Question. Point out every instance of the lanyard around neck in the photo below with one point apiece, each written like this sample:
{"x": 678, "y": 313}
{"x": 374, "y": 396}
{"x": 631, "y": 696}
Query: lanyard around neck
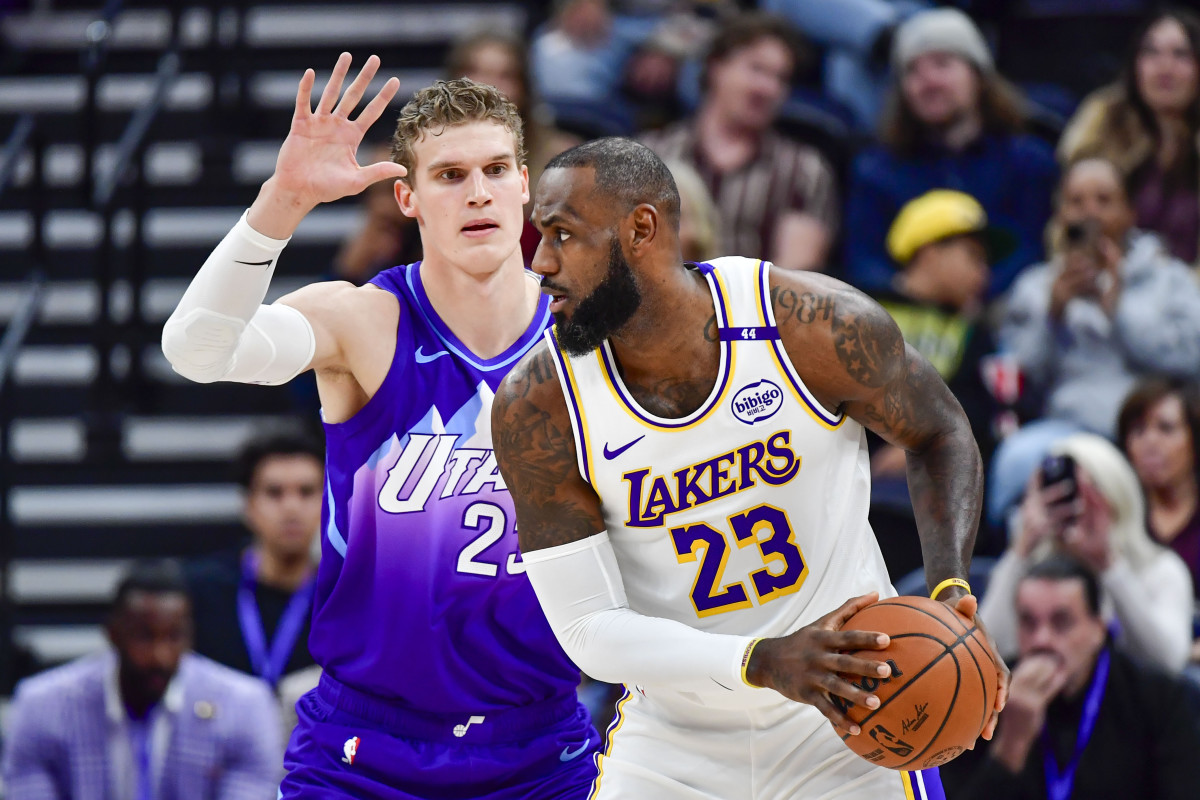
{"x": 1060, "y": 783}
{"x": 269, "y": 664}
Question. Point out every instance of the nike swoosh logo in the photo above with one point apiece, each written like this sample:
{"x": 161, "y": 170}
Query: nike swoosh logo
{"x": 422, "y": 358}
{"x": 253, "y": 263}
{"x": 569, "y": 755}
{"x": 611, "y": 454}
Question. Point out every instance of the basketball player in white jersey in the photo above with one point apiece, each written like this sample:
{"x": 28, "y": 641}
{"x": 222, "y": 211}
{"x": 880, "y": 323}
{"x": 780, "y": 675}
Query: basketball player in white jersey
{"x": 687, "y": 458}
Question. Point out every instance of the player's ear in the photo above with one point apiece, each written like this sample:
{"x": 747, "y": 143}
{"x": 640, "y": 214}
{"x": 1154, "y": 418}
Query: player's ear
{"x": 526, "y": 189}
{"x": 643, "y": 227}
{"x": 406, "y": 198}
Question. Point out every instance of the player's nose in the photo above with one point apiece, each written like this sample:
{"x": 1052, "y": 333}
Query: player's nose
{"x": 543, "y": 262}
{"x": 477, "y": 188}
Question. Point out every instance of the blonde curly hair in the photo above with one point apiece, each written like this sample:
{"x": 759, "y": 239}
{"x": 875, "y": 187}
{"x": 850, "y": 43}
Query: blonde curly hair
{"x": 445, "y": 104}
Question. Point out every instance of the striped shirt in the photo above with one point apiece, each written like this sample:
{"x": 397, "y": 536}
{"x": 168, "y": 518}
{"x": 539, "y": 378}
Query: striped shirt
{"x": 785, "y": 175}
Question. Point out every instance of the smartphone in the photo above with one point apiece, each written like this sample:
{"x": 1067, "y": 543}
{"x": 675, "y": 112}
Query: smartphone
{"x": 1083, "y": 234}
{"x": 1058, "y": 470}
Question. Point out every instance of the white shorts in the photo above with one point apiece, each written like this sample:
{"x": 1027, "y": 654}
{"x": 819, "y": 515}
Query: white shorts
{"x": 664, "y": 746}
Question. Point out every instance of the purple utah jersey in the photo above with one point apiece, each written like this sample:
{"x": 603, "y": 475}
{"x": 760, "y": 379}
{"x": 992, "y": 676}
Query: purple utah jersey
{"x": 421, "y": 596}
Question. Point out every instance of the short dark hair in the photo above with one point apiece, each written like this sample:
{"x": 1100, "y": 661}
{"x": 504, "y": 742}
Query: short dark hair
{"x": 1062, "y": 567}
{"x": 1149, "y": 392}
{"x": 627, "y": 172}
{"x": 153, "y": 576}
{"x": 277, "y": 443}
{"x": 744, "y": 29}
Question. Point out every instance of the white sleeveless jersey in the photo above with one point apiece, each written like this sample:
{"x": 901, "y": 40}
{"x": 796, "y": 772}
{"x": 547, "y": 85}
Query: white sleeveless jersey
{"x": 748, "y": 516}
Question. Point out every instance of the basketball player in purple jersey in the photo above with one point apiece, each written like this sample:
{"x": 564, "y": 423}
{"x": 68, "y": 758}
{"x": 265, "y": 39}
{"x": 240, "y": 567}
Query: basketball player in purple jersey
{"x": 441, "y": 676}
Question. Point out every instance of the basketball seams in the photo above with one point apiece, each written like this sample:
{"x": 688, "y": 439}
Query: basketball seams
{"x": 914, "y": 679}
{"x": 964, "y": 634}
{"x": 945, "y": 717}
{"x": 898, "y": 601}
{"x": 932, "y": 663}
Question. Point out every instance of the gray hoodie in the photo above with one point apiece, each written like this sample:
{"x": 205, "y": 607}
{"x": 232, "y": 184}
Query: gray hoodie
{"x": 1085, "y": 365}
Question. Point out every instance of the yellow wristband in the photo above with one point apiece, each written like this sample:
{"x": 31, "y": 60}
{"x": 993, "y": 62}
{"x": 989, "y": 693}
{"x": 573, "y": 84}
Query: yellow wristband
{"x": 949, "y": 582}
{"x": 746, "y": 662}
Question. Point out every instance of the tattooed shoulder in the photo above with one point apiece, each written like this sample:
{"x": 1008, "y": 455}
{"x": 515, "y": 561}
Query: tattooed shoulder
{"x": 535, "y": 450}
{"x": 867, "y": 340}
{"x": 803, "y": 306}
{"x": 864, "y": 338}
{"x": 536, "y": 369}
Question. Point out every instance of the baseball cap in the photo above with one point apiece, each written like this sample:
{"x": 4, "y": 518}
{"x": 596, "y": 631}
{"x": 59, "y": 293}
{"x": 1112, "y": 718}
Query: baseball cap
{"x": 941, "y": 30}
{"x": 940, "y": 214}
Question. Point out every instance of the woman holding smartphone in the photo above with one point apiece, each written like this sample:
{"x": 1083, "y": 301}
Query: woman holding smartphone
{"x": 1109, "y": 307}
{"x": 1085, "y": 501}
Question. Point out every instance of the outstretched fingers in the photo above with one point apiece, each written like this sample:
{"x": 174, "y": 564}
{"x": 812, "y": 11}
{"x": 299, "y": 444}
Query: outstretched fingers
{"x": 358, "y": 88}
{"x": 304, "y": 95}
{"x": 378, "y": 103}
{"x": 333, "y": 88}
{"x": 380, "y": 171}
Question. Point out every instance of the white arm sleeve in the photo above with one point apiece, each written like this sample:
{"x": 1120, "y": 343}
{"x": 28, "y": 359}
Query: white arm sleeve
{"x": 580, "y": 590}
{"x": 221, "y": 331}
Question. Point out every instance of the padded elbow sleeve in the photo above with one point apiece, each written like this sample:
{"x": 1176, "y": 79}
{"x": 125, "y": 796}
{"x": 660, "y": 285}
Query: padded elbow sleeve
{"x": 277, "y": 345}
{"x": 221, "y": 330}
{"x": 204, "y": 346}
{"x": 201, "y": 343}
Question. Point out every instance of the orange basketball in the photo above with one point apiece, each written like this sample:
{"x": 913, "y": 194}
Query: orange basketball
{"x": 941, "y": 690}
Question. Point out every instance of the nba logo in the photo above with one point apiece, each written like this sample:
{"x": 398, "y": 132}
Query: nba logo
{"x": 350, "y": 748}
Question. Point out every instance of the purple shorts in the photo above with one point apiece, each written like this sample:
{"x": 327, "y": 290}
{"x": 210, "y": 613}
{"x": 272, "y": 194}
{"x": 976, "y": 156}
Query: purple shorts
{"x": 348, "y": 744}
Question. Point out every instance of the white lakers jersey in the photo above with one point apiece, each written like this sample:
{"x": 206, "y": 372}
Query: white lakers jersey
{"x": 748, "y": 516}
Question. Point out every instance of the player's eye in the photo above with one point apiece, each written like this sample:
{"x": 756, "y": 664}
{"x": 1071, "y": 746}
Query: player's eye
{"x": 450, "y": 174}
{"x": 497, "y": 169}
{"x": 562, "y": 236}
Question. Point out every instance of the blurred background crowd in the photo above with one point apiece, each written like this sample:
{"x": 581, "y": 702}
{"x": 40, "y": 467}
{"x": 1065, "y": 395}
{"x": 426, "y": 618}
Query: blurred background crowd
{"x": 1017, "y": 182}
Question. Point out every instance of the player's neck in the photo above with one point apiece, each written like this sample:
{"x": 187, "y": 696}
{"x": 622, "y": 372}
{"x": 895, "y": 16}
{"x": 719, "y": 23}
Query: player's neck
{"x": 645, "y": 346}
{"x": 282, "y": 571}
{"x": 488, "y": 311}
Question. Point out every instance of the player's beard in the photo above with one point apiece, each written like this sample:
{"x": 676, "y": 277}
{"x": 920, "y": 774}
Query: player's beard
{"x": 604, "y": 311}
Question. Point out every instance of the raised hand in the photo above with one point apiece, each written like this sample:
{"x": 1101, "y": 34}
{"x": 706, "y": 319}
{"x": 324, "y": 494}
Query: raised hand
{"x": 1088, "y": 536}
{"x": 1077, "y": 278}
{"x": 1043, "y": 513}
{"x": 804, "y": 665}
{"x": 317, "y": 162}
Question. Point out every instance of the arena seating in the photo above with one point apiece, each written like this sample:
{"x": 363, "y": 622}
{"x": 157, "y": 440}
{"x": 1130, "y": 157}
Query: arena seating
{"x": 102, "y": 474}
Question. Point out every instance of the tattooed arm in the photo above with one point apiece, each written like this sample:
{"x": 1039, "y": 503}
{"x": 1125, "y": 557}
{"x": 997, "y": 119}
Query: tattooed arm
{"x": 573, "y": 569}
{"x": 855, "y": 361}
{"x": 531, "y": 434}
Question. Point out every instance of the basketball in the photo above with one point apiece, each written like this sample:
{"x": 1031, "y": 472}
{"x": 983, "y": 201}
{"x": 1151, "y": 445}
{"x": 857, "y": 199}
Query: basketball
{"x": 940, "y": 693}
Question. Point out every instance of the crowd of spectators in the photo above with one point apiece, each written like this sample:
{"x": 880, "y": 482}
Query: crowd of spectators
{"x": 1042, "y": 257}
